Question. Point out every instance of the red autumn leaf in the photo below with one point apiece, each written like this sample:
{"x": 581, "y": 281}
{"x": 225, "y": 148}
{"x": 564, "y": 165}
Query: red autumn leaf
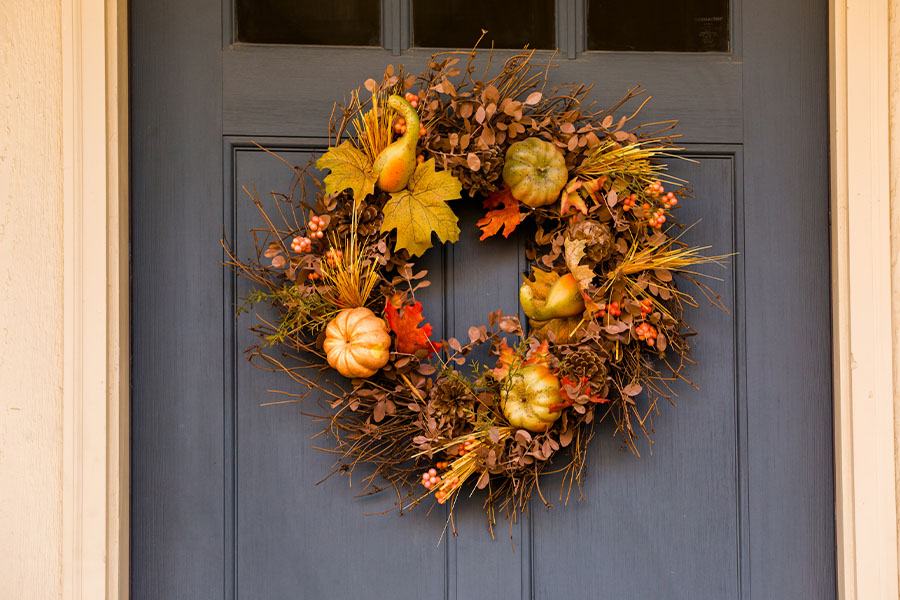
{"x": 568, "y": 400}
{"x": 410, "y": 337}
{"x": 506, "y": 217}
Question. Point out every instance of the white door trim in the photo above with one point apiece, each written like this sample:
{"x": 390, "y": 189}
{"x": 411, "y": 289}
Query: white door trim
{"x": 865, "y": 476}
{"x": 95, "y": 304}
{"x": 96, "y": 422}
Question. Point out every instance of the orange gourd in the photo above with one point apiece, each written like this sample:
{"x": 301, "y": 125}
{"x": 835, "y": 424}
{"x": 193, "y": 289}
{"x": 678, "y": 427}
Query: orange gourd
{"x": 357, "y": 343}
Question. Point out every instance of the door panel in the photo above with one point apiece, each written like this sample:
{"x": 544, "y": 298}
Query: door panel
{"x": 673, "y": 494}
{"x": 735, "y": 500}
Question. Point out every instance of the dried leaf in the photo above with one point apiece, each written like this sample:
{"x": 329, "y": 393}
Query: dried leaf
{"x": 507, "y": 217}
{"x": 533, "y": 98}
{"x": 632, "y": 389}
{"x": 473, "y": 161}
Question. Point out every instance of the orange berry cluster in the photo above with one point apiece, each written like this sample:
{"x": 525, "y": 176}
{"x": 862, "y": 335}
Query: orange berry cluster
{"x": 646, "y": 333}
{"x": 612, "y": 308}
{"x": 334, "y": 256}
{"x": 646, "y": 306}
{"x": 629, "y": 202}
{"x": 313, "y": 276}
{"x": 315, "y": 227}
{"x": 430, "y": 478}
{"x": 467, "y": 446}
{"x": 412, "y": 99}
{"x": 301, "y": 244}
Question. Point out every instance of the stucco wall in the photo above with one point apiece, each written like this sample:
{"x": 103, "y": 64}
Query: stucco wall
{"x": 31, "y": 293}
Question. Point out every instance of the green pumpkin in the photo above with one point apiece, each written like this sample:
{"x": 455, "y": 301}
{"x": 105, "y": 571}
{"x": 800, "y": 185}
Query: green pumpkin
{"x": 535, "y": 172}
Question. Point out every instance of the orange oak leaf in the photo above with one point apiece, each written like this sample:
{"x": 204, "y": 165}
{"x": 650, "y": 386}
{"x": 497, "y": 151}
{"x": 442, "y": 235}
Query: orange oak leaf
{"x": 505, "y": 362}
{"x": 410, "y": 337}
{"x": 569, "y": 400}
{"x": 507, "y": 217}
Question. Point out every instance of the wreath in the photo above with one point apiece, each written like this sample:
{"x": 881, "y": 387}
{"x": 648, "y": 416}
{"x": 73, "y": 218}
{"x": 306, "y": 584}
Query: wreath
{"x": 605, "y": 335}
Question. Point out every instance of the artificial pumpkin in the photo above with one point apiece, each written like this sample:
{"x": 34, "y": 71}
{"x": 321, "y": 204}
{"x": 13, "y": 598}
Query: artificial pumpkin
{"x": 357, "y": 342}
{"x": 395, "y": 164}
{"x": 535, "y": 172}
{"x": 528, "y": 395}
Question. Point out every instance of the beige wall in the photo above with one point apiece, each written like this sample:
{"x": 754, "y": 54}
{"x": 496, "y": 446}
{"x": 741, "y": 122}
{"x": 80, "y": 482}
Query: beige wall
{"x": 31, "y": 293}
{"x": 894, "y": 87}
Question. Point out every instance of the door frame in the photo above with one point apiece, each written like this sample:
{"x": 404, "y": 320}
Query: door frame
{"x": 96, "y": 424}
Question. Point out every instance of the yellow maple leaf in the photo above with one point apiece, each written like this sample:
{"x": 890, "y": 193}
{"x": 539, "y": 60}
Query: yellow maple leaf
{"x": 421, "y": 210}
{"x": 350, "y": 168}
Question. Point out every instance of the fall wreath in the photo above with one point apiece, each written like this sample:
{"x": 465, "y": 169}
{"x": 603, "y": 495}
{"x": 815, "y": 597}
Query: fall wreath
{"x": 604, "y": 316}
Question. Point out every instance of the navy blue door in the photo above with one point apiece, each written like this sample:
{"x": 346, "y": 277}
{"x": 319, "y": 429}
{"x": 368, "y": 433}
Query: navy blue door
{"x": 736, "y": 500}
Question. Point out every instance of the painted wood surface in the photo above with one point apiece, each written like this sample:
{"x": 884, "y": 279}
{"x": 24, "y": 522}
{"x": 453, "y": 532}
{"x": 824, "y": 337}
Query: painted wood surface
{"x": 736, "y": 499}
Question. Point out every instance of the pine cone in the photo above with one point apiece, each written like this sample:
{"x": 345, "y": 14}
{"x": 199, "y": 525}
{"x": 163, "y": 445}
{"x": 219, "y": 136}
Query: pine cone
{"x": 584, "y": 363}
{"x": 598, "y": 239}
{"x": 451, "y": 396}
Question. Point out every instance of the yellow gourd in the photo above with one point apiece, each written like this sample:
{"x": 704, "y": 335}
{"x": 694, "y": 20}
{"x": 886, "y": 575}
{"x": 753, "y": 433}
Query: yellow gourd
{"x": 396, "y": 163}
{"x": 563, "y": 299}
{"x": 357, "y": 343}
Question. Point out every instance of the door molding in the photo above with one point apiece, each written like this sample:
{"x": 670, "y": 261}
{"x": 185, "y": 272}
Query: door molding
{"x": 865, "y": 476}
{"x": 96, "y": 419}
{"x": 95, "y": 499}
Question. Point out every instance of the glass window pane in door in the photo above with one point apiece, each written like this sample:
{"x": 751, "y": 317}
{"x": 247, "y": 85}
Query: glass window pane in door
{"x": 510, "y": 24}
{"x": 327, "y": 23}
{"x": 658, "y": 25}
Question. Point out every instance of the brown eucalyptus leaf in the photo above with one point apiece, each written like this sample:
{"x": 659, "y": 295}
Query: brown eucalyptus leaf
{"x": 512, "y": 108}
{"x": 474, "y": 334}
{"x": 607, "y": 122}
{"x": 490, "y": 94}
{"x": 490, "y": 109}
{"x": 378, "y": 411}
{"x": 426, "y": 369}
{"x": 612, "y": 198}
{"x": 621, "y": 135}
{"x": 466, "y": 109}
{"x": 483, "y": 480}
{"x": 661, "y": 342}
{"x": 663, "y": 275}
{"x": 480, "y": 114}
{"x": 494, "y": 435}
{"x": 523, "y": 437}
{"x": 533, "y": 98}
{"x": 565, "y": 438}
{"x": 473, "y": 161}
{"x": 632, "y": 389}
{"x": 370, "y": 85}
{"x": 487, "y": 136}
{"x": 573, "y": 143}
{"x": 567, "y": 128}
